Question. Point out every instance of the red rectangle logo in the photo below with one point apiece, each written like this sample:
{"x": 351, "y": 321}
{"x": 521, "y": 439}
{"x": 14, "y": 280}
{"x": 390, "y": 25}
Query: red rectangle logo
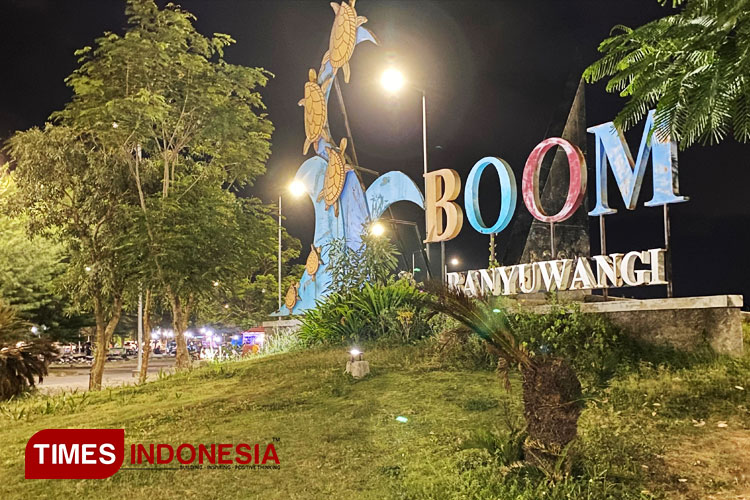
{"x": 74, "y": 453}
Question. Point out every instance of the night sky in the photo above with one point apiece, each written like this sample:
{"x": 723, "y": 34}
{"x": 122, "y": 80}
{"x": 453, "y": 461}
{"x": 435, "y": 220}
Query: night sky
{"x": 494, "y": 73}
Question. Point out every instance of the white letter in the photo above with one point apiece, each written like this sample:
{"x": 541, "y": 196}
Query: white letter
{"x": 608, "y": 268}
{"x": 41, "y": 448}
{"x": 583, "y": 275}
{"x": 658, "y": 273}
{"x": 87, "y": 451}
{"x": 68, "y": 458}
{"x": 551, "y": 270}
{"x": 103, "y": 451}
{"x": 528, "y": 276}
{"x": 627, "y": 269}
{"x": 510, "y": 281}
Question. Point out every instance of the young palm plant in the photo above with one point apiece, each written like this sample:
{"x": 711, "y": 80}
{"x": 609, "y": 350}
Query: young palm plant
{"x": 21, "y": 361}
{"x": 551, "y": 389}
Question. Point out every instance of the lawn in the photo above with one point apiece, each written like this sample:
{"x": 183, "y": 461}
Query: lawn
{"x": 657, "y": 432}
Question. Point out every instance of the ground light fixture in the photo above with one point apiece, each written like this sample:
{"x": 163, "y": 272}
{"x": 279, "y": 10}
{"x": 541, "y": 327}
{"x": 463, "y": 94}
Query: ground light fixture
{"x": 392, "y": 80}
{"x": 357, "y": 367}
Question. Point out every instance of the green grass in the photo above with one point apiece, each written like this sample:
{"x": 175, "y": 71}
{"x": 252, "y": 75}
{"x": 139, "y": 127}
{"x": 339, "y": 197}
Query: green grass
{"x": 339, "y": 438}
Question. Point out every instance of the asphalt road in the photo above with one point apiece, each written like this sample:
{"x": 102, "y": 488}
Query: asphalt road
{"x": 116, "y": 373}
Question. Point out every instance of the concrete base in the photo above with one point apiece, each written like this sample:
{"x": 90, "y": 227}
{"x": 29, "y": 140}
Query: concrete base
{"x": 683, "y": 323}
{"x": 357, "y": 369}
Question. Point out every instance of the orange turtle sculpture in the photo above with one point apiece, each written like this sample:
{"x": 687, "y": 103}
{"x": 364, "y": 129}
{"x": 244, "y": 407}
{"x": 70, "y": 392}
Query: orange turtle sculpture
{"x": 292, "y": 296}
{"x": 313, "y": 261}
{"x": 343, "y": 36}
{"x": 316, "y": 112}
{"x": 333, "y": 185}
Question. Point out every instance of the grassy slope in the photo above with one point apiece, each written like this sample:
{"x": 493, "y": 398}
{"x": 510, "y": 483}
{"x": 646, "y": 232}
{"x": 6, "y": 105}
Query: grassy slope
{"x": 340, "y": 439}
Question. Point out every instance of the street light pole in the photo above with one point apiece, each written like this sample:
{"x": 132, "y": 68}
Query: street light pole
{"x": 279, "y": 252}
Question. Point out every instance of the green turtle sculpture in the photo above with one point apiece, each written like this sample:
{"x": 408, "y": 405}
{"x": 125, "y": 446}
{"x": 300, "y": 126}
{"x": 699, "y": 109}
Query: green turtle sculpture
{"x": 316, "y": 112}
{"x": 313, "y": 261}
{"x": 333, "y": 185}
{"x": 343, "y": 36}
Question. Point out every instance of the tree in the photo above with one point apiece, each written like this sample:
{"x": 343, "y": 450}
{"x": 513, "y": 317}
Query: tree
{"x": 191, "y": 131}
{"x": 692, "y": 66}
{"x": 30, "y": 268}
{"x": 71, "y": 191}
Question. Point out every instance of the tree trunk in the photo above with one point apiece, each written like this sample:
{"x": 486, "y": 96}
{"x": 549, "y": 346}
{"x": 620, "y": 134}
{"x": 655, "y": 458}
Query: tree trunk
{"x": 104, "y": 331}
{"x": 146, "y": 347}
{"x": 552, "y": 404}
{"x": 180, "y": 318}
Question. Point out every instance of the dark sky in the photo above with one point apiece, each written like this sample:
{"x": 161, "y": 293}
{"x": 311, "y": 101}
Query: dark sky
{"x": 494, "y": 73}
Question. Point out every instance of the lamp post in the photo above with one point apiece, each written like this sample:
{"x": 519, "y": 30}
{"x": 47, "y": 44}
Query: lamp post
{"x": 296, "y": 188}
{"x": 393, "y": 80}
{"x": 454, "y": 262}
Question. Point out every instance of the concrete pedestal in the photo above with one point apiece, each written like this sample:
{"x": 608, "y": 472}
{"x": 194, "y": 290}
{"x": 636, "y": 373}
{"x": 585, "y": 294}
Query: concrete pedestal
{"x": 683, "y": 323}
{"x": 357, "y": 369}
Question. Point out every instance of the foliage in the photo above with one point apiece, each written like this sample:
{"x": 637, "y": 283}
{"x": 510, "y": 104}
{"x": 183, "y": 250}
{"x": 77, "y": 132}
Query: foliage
{"x": 373, "y": 262}
{"x": 626, "y": 452}
{"x": 593, "y": 346}
{"x": 374, "y": 312}
{"x": 21, "y": 360}
{"x": 30, "y": 268}
{"x": 691, "y": 65}
{"x": 186, "y": 132}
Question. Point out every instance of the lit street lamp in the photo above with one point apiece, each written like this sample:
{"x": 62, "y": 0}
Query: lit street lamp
{"x": 296, "y": 188}
{"x": 392, "y": 81}
{"x": 377, "y": 229}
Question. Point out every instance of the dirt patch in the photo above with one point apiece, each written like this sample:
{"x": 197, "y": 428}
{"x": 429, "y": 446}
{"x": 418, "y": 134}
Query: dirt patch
{"x": 713, "y": 466}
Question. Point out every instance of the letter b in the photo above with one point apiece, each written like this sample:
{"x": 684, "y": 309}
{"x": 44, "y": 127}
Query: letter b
{"x": 441, "y": 188}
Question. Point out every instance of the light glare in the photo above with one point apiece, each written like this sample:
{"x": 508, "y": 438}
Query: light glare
{"x": 392, "y": 80}
{"x": 297, "y": 188}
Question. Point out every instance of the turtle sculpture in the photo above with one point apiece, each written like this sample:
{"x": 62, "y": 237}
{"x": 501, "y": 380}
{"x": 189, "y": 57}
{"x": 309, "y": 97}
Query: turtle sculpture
{"x": 333, "y": 185}
{"x": 316, "y": 114}
{"x": 343, "y": 36}
{"x": 313, "y": 261}
{"x": 292, "y": 296}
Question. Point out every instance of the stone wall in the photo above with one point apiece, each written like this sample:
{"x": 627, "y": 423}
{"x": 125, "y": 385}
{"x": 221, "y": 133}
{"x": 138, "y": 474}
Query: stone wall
{"x": 684, "y": 323}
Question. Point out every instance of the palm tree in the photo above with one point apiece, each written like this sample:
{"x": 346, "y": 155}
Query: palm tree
{"x": 551, "y": 389}
{"x": 693, "y": 66}
{"x": 21, "y": 361}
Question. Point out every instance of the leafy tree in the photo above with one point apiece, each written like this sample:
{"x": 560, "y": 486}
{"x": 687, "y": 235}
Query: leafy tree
{"x": 692, "y": 66}
{"x": 71, "y": 191}
{"x": 190, "y": 129}
{"x": 29, "y": 270}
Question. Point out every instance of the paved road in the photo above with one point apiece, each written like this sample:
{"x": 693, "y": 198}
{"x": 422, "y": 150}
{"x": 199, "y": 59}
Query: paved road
{"x": 116, "y": 373}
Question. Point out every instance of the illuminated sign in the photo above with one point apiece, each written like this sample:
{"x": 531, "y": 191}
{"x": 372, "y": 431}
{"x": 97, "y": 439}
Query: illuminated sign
{"x": 583, "y": 273}
{"x": 442, "y": 187}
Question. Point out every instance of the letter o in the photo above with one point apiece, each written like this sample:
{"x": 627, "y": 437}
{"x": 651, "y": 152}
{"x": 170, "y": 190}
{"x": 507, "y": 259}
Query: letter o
{"x": 189, "y": 447}
{"x": 576, "y": 189}
{"x": 508, "y": 195}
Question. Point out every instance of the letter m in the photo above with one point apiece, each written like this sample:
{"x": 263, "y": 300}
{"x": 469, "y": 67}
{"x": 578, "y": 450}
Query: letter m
{"x": 612, "y": 149}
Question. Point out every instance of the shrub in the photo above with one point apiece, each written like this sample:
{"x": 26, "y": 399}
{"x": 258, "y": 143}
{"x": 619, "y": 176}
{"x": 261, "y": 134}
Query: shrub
{"x": 374, "y": 312}
{"x": 21, "y": 360}
{"x": 593, "y": 346}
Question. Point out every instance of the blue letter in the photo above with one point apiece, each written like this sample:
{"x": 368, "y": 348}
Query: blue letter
{"x": 507, "y": 195}
{"x": 611, "y": 145}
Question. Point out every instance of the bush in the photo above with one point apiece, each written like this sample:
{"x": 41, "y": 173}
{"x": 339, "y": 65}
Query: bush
{"x": 22, "y": 360}
{"x": 593, "y": 346}
{"x": 375, "y": 312}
